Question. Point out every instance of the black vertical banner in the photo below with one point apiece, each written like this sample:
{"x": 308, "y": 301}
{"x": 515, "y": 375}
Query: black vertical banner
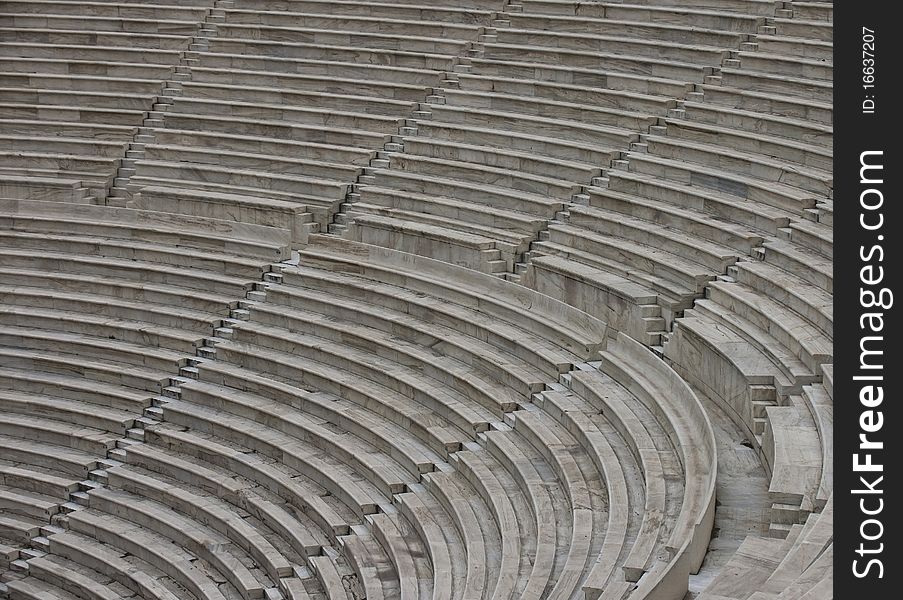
{"x": 868, "y": 429}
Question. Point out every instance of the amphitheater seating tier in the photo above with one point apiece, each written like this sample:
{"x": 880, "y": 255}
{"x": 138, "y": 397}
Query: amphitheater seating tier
{"x": 306, "y": 299}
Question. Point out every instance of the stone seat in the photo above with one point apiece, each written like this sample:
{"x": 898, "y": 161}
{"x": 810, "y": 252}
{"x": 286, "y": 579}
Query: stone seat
{"x": 81, "y": 22}
{"x": 344, "y": 483}
{"x": 131, "y": 572}
{"x": 790, "y": 329}
{"x": 448, "y": 404}
{"x": 812, "y": 235}
{"x": 720, "y": 157}
{"x": 206, "y": 235}
{"x": 192, "y": 478}
{"x": 82, "y": 83}
{"x": 69, "y": 146}
{"x": 818, "y": 399}
{"x": 66, "y": 100}
{"x": 583, "y": 62}
{"x": 494, "y": 247}
{"x": 801, "y": 28}
{"x": 40, "y": 445}
{"x": 804, "y": 551}
{"x": 309, "y": 98}
{"x": 751, "y": 564}
{"x": 792, "y": 454}
{"x": 323, "y": 68}
{"x": 473, "y": 12}
{"x": 91, "y": 54}
{"x": 481, "y": 472}
{"x": 19, "y": 529}
{"x": 672, "y": 402}
{"x": 481, "y": 387}
{"x": 356, "y": 23}
{"x": 609, "y": 40}
{"x": 392, "y": 440}
{"x": 807, "y": 48}
{"x": 504, "y": 150}
{"x": 51, "y": 575}
{"x": 16, "y": 187}
{"x": 646, "y": 266}
{"x": 787, "y": 65}
{"x": 130, "y": 270}
{"x": 210, "y": 176}
{"x": 494, "y": 196}
{"x": 160, "y": 154}
{"x": 550, "y": 337}
{"x": 294, "y": 114}
{"x": 359, "y": 454}
{"x": 46, "y": 435}
{"x": 262, "y": 145}
{"x": 637, "y": 436}
{"x": 292, "y": 218}
{"x": 401, "y": 59}
{"x": 85, "y": 38}
{"x": 43, "y": 128}
{"x": 205, "y": 510}
{"x": 126, "y": 537}
{"x": 577, "y": 472}
{"x": 75, "y": 412}
{"x": 574, "y": 277}
{"x": 812, "y": 156}
{"x": 90, "y": 347}
{"x": 560, "y": 189}
{"x": 579, "y": 32}
{"x": 386, "y": 530}
{"x": 714, "y": 256}
{"x": 40, "y": 480}
{"x": 809, "y": 109}
{"x": 143, "y": 331}
{"x": 76, "y": 390}
{"x": 310, "y": 82}
{"x": 720, "y": 205}
{"x": 765, "y": 125}
{"x": 16, "y": 501}
{"x": 621, "y": 92}
{"x": 753, "y": 350}
{"x": 714, "y": 16}
{"x": 93, "y": 183}
{"x": 597, "y": 437}
{"x": 403, "y": 41}
{"x": 507, "y": 225}
{"x": 636, "y": 118}
{"x": 800, "y": 296}
{"x": 525, "y": 466}
{"x": 468, "y": 513}
{"x": 778, "y": 83}
{"x": 51, "y": 285}
{"x": 97, "y": 68}
{"x": 277, "y": 129}
{"x": 382, "y": 323}
{"x": 624, "y": 80}
{"x": 133, "y": 250}
{"x": 124, "y": 10}
{"x": 32, "y": 112}
{"x": 742, "y": 187}
{"x": 531, "y": 126}
{"x": 802, "y": 262}
{"x": 676, "y": 219}
{"x": 306, "y": 499}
